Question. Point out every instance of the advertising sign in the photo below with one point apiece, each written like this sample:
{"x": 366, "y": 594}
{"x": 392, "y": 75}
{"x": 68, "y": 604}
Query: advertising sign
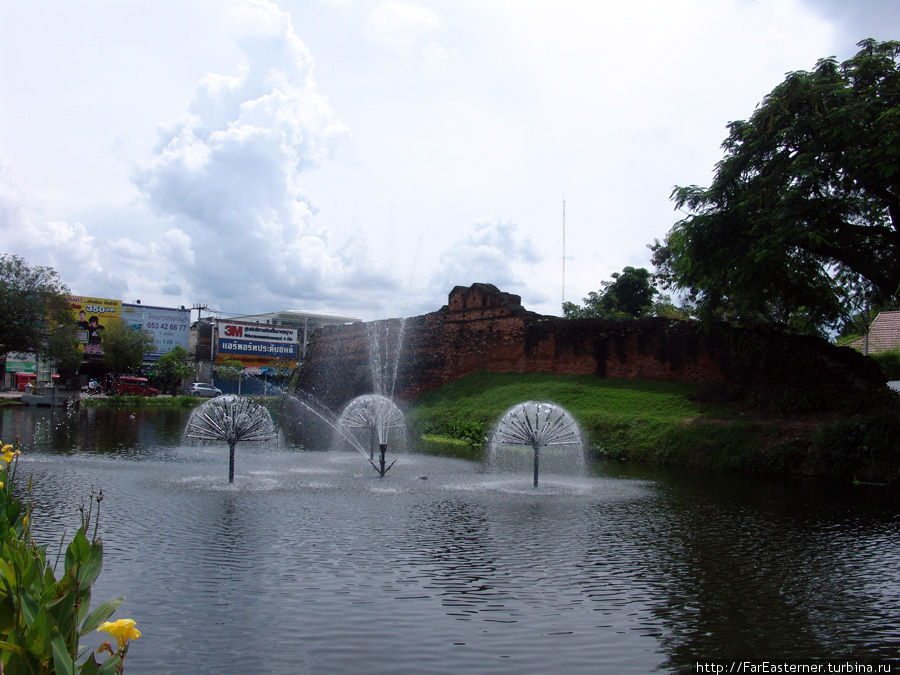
{"x": 169, "y": 327}
{"x": 21, "y": 362}
{"x": 256, "y": 344}
{"x": 93, "y": 315}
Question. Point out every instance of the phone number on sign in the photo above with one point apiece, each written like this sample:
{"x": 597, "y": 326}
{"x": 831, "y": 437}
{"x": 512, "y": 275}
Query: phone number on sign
{"x": 156, "y": 325}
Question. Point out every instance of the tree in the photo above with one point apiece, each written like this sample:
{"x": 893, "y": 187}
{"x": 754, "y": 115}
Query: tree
{"x": 281, "y": 369}
{"x": 801, "y": 224}
{"x": 35, "y": 309}
{"x": 124, "y": 346}
{"x": 231, "y": 370}
{"x": 63, "y": 347}
{"x": 174, "y": 366}
{"x": 628, "y": 296}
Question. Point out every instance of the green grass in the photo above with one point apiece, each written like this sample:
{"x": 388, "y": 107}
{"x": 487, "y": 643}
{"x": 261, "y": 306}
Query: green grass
{"x": 468, "y": 408}
{"x": 168, "y": 402}
{"x": 645, "y": 421}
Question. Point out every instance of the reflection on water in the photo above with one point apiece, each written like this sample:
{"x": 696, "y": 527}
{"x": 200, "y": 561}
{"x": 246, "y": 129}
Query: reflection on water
{"x": 311, "y": 563}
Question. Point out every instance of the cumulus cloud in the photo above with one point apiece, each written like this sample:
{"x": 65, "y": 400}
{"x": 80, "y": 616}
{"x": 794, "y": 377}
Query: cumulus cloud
{"x": 66, "y": 247}
{"x": 495, "y": 252}
{"x": 410, "y": 29}
{"x": 228, "y": 175}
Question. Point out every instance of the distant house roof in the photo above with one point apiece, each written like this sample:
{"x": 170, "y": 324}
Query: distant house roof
{"x": 297, "y": 318}
{"x": 884, "y": 334}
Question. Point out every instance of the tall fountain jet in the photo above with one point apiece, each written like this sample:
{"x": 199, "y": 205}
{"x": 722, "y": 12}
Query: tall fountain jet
{"x": 373, "y": 420}
{"x": 231, "y": 419}
{"x": 540, "y": 425}
{"x": 371, "y": 424}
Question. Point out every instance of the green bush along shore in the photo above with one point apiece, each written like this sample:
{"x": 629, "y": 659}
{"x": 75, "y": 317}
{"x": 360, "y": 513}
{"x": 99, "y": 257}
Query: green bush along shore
{"x": 668, "y": 423}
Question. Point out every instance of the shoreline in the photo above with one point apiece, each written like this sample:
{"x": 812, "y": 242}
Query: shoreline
{"x": 644, "y": 422}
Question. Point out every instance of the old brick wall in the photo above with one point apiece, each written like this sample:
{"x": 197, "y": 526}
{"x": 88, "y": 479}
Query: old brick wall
{"x": 482, "y": 328}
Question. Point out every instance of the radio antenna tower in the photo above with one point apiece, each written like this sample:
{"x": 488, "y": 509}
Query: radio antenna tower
{"x": 564, "y": 250}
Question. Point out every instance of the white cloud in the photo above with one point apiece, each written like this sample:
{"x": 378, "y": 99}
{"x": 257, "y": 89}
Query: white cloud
{"x": 257, "y": 197}
{"x": 493, "y": 252}
{"x": 409, "y": 29}
{"x": 228, "y": 175}
{"x": 401, "y": 25}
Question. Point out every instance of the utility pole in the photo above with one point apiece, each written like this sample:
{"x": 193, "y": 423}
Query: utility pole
{"x": 199, "y": 309}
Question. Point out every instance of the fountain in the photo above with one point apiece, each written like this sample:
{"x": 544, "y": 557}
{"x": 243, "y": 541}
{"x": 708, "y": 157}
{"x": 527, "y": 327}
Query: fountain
{"x": 231, "y": 419}
{"x": 543, "y": 426}
{"x": 370, "y": 420}
{"x": 366, "y": 423}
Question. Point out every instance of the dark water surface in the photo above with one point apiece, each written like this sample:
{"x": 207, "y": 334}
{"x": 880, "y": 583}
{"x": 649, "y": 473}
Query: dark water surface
{"x": 311, "y": 563}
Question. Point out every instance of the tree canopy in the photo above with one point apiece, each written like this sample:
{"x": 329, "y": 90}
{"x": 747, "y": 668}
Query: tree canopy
{"x": 124, "y": 346}
{"x": 801, "y": 224}
{"x": 173, "y": 366}
{"x": 628, "y": 296}
{"x": 34, "y": 306}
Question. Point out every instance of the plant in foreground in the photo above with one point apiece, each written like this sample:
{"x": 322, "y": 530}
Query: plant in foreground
{"x": 42, "y": 618}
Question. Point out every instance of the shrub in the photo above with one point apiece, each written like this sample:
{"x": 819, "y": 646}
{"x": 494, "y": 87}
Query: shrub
{"x": 42, "y": 618}
{"x": 889, "y": 363}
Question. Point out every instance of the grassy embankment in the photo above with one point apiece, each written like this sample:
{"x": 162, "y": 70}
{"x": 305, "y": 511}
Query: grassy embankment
{"x": 168, "y": 402}
{"x": 664, "y": 423}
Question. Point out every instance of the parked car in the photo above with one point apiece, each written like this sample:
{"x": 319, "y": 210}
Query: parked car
{"x": 135, "y": 386}
{"x": 202, "y": 389}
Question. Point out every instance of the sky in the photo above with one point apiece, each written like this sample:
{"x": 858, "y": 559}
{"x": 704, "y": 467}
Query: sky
{"x": 363, "y": 157}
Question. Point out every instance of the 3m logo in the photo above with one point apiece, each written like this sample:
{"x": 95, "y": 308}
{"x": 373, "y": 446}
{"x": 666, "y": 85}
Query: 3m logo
{"x": 234, "y": 331}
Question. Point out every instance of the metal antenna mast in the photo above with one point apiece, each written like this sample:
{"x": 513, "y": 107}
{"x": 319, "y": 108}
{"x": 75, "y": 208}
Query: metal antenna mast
{"x": 564, "y": 251}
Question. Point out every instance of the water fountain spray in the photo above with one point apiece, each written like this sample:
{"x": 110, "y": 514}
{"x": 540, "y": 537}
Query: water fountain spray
{"x": 231, "y": 419}
{"x": 374, "y": 418}
{"x": 539, "y": 425}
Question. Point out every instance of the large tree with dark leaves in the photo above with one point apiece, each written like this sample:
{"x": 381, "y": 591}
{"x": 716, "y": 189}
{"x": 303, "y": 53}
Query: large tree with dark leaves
{"x": 34, "y": 310}
{"x": 801, "y": 225}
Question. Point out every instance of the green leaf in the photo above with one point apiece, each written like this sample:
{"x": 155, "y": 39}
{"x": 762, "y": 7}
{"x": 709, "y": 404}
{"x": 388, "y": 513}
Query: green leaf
{"x": 30, "y": 609}
{"x": 99, "y": 615}
{"x": 62, "y": 609}
{"x": 89, "y": 667}
{"x": 79, "y": 550}
{"x": 84, "y": 599}
{"x": 110, "y": 666}
{"x": 12, "y": 648}
{"x": 37, "y": 636}
{"x": 62, "y": 660}
{"x": 90, "y": 570}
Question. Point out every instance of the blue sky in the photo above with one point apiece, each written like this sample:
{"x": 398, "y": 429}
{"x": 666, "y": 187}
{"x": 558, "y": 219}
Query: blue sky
{"x": 363, "y": 157}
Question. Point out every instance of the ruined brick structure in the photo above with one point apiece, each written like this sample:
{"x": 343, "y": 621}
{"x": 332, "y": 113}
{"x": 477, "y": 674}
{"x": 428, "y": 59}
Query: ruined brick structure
{"x": 483, "y": 328}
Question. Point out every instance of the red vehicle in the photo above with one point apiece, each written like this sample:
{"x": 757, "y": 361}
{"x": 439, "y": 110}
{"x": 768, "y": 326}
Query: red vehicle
{"x": 135, "y": 386}
{"x": 22, "y": 378}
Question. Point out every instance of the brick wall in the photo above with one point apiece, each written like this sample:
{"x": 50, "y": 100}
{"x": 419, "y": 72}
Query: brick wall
{"x": 482, "y": 328}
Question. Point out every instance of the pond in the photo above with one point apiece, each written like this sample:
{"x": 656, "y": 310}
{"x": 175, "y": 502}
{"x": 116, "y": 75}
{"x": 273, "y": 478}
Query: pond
{"x": 309, "y": 562}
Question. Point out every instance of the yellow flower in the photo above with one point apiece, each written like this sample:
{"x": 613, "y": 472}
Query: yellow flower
{"x": 8, "y": 453}
{"x": 123, "y": 630}
{"x": 1, "y": 484}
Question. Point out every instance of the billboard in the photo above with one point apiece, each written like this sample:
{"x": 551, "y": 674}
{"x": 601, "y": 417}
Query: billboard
{"x": 169, "y": 327}
{"x": 93, "y": 315}
{"x": 256, "y": 344}
{"x": 21, "y": 362}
